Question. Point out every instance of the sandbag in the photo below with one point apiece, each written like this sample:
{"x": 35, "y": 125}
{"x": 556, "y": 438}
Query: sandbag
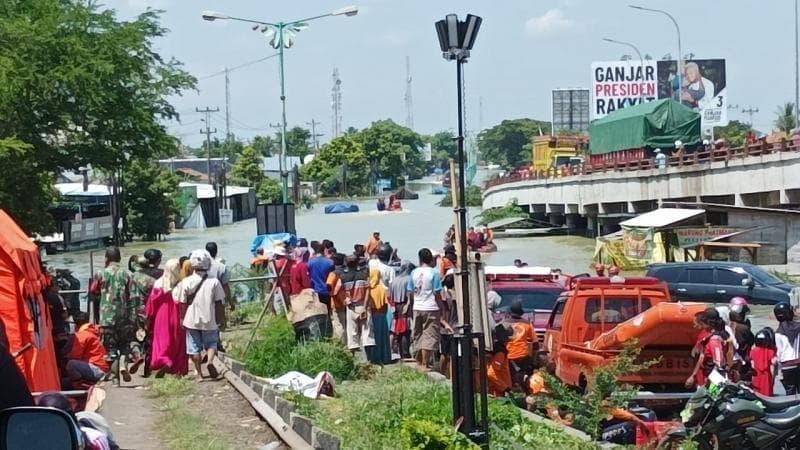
{"x": 306, "y": 304}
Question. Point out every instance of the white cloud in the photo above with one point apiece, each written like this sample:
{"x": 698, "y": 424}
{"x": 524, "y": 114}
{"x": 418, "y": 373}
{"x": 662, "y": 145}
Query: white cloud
{"x": 550, "y": 23}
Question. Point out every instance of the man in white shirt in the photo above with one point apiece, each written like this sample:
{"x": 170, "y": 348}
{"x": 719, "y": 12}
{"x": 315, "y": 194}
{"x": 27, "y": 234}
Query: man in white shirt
{"x": 787, "y": 341}
{"x": 382, "y": 264}
{"x": 425, "y": 287}
{"x": 199, "y": 295}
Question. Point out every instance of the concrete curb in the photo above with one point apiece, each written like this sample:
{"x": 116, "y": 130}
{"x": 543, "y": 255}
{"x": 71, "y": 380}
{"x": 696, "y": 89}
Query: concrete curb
{"x": 574, "y": 432}
{"x": 314, "y": 436}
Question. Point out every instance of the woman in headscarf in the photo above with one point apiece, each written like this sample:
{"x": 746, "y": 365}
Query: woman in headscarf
{"x": 168, "y": 352}
{"x": 398, "y": 295}
{"x": 186, "y": 269}
{"x": 379, "y": 303}
{"x": 493, "y": 300}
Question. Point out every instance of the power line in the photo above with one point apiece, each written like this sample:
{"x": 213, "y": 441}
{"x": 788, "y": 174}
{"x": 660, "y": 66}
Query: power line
{"x": 244, "y": 126}
{"x": 208, "y": 132}
{"x": 314, "y": 134}
{"x": 240, "y": 66}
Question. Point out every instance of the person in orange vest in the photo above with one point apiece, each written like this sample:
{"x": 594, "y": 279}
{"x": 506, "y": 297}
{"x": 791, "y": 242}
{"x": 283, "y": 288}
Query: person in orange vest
{"x": 86, "y": 360}
{"x": 498, "y": 373}
{"x": 521, "y": 342}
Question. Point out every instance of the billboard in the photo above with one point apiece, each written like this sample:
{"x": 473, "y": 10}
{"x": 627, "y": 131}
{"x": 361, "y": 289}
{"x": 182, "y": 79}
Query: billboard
{"x": 617, "y": 84}
{"x": 571, "y": 110}
{"x": 704, "y": 88}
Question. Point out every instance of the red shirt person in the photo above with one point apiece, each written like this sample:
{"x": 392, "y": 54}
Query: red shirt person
{"x": 711, "y": 348}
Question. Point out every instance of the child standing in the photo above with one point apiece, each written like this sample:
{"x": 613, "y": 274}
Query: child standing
{"x": 764, "y": 360}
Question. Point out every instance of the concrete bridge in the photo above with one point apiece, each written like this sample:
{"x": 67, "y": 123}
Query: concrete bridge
{"x": 761, "y": 175}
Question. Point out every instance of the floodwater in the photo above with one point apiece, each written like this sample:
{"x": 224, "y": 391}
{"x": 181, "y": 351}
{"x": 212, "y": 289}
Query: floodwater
{"x": 422, "y": 223}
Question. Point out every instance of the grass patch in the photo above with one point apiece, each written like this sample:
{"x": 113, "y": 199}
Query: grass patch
{"x": 179, "y": 428}
{"x": 403, "y": 403}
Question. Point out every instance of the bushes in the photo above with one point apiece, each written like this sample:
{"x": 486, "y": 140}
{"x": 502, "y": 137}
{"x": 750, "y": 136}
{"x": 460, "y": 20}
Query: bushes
{"x": 276, "y": 351}
{"x": 424, "y": 434}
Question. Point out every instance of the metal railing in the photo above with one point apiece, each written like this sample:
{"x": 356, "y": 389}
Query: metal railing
{"x": 683, "y": 160}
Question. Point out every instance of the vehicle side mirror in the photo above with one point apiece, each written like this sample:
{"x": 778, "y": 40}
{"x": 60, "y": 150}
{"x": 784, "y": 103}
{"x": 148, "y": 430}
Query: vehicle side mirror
{"x": 38, "y": 427}
{"x": 748, "y": 282}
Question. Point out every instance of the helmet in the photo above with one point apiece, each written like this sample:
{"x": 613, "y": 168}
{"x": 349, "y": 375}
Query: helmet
{"x": 739, "y": 309}
{"x": 783, "y": 312}
{"x": 152, "y": 255}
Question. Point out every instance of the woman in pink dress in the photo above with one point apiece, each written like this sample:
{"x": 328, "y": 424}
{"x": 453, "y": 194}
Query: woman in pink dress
{"x": 168, "y": 352}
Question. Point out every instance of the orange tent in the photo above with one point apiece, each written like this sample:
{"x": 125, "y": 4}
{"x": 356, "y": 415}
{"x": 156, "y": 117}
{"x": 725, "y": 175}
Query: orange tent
{"x": 22, "y": 308}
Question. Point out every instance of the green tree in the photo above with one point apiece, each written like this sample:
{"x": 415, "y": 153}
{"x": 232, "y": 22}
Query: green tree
{"x": 351, "y": 131}
{"x": 509, "y": 143}
{"x": 734, "y": 133}
{"x": 248, "y": 170}
{"x": 269, "y": 191}
{"x": 393, "y": 149}
{"x": 26, "y": 190}
{"x": 266, "y": 145}
{"x": 785, "y": 120}
{"x": 297, "y": 141}
{"x": 443, "y": 148}
{"x": 81, "y": 87}
{"x": 151, "y": 194}
{"x": 341, "y": 161}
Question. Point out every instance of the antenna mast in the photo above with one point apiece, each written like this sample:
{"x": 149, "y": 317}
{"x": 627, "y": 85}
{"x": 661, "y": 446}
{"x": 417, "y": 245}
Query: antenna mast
{"x": 336, "y": 105}
{"x": 408, "y": 99}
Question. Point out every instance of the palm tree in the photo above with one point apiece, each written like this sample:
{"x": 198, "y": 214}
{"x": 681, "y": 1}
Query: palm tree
{"x": 786, "y": 119}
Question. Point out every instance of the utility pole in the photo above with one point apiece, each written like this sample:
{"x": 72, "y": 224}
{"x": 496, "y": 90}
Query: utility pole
{"x": 227, "y": 106}
{"x": 336, "y": 105}
{"x": 314, "y": 134}
{"x": 796, "y": 69}
{"x": 750, "y": 111}
{"x": 208, "y": 132}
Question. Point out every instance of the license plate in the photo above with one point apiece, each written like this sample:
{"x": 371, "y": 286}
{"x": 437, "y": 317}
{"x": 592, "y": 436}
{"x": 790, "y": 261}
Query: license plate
{"x": 673, "y": 363}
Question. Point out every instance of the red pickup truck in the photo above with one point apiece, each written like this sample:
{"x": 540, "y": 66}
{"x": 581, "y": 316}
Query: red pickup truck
{"x": 537, "y": 287}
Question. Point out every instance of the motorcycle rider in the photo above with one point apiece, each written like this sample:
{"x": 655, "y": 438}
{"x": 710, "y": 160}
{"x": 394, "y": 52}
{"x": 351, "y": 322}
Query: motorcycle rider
{"x": 787, "y": 340}
{"x": 743, "y": 336}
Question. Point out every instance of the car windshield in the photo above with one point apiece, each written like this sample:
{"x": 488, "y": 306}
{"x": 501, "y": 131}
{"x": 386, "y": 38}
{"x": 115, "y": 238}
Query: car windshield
{"x": 540, "y": 299}
{"x": 763, "y": 276}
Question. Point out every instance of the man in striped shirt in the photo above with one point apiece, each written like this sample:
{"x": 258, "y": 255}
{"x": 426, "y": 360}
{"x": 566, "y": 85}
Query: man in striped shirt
{"x": 355, "y": 283}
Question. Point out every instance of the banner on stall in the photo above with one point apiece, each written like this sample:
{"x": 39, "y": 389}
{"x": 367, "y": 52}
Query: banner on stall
{"x": 690, "y": 237}
{"x": 638, "y": 242}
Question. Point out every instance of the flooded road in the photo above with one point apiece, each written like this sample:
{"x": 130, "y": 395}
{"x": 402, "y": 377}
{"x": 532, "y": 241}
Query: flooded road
{"x": 422, "y": 223}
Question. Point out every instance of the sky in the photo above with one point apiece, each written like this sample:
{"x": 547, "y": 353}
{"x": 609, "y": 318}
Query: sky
{"x": 525, "y": 48}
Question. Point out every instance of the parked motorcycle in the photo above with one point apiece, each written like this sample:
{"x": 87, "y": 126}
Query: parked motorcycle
{"x": 729, "y": 415}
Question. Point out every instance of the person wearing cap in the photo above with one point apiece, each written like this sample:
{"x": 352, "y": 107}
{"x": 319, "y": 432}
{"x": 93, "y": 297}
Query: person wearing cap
{"x": 661, "y": 159}
{"x": 283, "y": 266}
{"x": 200, "y": 295}
{"x": 711, "y": 347}
{"x": 521, "y": 342}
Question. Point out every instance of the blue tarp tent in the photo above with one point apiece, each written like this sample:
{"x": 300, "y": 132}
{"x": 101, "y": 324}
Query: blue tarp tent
{"x": 268, "y": 241}
{"x": 341, "y": 207}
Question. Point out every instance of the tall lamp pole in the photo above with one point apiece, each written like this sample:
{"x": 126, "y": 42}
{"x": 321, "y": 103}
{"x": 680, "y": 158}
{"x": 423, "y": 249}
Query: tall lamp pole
{"x": 456, "y": 39}
{"x": 281, "y": 36}
{"x": 680, "y": 51}
{"x": 796, "y": 70}
{"x": 641, "y": 63}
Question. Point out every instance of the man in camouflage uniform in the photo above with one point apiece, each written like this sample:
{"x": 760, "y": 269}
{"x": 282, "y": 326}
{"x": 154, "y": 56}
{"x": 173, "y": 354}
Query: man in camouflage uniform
{"x": 142, "y": 281}
{"x": 112, "y": 287}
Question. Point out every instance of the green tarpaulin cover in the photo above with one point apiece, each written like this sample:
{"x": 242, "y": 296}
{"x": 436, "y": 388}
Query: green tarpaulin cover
{"x": 656, "y": 124}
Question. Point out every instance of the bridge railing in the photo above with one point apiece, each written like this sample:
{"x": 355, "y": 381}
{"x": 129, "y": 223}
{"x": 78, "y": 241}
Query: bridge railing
{"x": 676, "y": 160}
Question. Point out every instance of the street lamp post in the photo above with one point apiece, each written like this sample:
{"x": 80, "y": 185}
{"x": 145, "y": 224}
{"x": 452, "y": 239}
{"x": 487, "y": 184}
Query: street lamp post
{"x": 680, "y": 52}
{"x": 641, "y": 64}
{"x": 456, "y": 39}
{"x": 281, "y": 36}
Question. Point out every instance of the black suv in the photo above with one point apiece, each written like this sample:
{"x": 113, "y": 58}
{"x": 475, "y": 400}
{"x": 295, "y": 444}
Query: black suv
{"x": 718, "y": 282}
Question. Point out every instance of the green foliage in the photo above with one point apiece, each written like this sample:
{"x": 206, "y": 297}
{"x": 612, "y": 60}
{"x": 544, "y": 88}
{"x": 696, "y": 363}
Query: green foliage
{"x": 298, "y": 142}
{"x": 509, "y": 143}
{"x": 424, "y": 434}
{"x": 266, "y": 145}
{"x": 276, "y": 352}
{"x": 504, "y": 212}
{"x": 151, "y": 194}
{"x": 393, "y": 149}
{"x": 604, "y": 392}
{"x": 342, "y": 161}
{"x": 247, "y": 171}
{"x": 511, "y": 430}
{"x": 735, "y": 133}
{"x": 80, "y": 86}
{"x": 170, "y": 386}
{"x": 226, "y": 148}
{"x": 180, "y": 428}
{"x": 443, "y": 148}
{"x": 569, "y": 132}
{"x": 26, "y": 189}
{"x": 785, "y": 119}
{"x": 474, "y": 197}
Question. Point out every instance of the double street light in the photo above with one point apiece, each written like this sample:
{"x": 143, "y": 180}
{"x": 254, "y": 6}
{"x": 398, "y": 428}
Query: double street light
{"x": 281, "y": 36}
{"x": 456, "y": 39}
{"x": 680, "y": 53}
{"x": 641, "y": 63}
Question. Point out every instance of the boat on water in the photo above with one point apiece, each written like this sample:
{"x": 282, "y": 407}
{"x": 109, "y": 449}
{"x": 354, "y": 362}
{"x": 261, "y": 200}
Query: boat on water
{"x": 406, "y": 194}
{"x": 341, "y": 208}
{"x": 513, "y": 227}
